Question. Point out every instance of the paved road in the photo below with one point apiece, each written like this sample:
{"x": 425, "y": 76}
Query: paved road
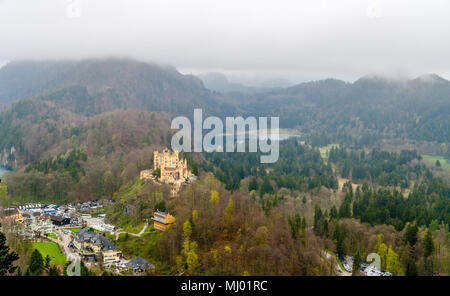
{"x": 339, "y": 270}
{"x": 66, "y": 239}
{"x": 133, "y": 234}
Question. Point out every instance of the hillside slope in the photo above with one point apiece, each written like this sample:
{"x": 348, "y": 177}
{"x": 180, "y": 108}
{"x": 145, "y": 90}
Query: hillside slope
{"x": 91, "y": 159}
{"x": 112, "y": 83}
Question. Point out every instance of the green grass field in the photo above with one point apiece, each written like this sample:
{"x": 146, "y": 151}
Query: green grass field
{"x": 431, "y": 160}
{"x": 53, "y": 250}
{"x": 134, "y": 228}
{"x": 324, "y": 149}
{"x": 75, "y": 229}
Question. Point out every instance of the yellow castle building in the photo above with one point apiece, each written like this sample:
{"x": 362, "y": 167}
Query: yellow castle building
{"x": 172, "y": 168}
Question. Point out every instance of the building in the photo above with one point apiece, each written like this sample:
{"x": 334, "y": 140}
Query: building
{"x": 105, "y": 248}
{"x": 162, "y": 220}
{"x": 138, "y": 265}
{"x": 18, "y": 217}
{"x": 99, "y": 245}
{"x": 60, "y": 220}
{"x": 110, "y": 254}
{"x": 82, "y": 239}
{"x": 172, "y": 168}
{"x": 41, "y": 224}
{"x": 147, "y": 175}
{"x": 50, "y": 211}
{"x": 103, "y": 227}
{"x": 14, "y": 214}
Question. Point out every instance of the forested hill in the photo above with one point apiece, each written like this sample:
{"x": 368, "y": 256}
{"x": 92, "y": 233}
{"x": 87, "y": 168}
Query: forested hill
{"x": 45, "y": 102}
{"x": 90, "y": 157}
{"x": 97, "y": 85}
{"x": 416, "y": 109}
{"x": 372, "y": 106}
{"x": 51, "y": 97}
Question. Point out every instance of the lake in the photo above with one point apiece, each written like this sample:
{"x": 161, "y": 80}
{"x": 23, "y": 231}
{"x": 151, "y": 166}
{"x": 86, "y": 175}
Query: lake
{"x": 253, "y": 135}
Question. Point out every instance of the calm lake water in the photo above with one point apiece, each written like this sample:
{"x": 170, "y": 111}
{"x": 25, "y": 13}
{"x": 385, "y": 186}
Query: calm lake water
{"x": 254, "y": 136}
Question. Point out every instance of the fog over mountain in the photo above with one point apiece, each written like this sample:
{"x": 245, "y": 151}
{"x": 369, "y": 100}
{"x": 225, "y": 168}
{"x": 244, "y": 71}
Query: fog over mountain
{"x": 307, "y": 39}
{"x": 355, "y": 93}
{"x": 55, "y": 95}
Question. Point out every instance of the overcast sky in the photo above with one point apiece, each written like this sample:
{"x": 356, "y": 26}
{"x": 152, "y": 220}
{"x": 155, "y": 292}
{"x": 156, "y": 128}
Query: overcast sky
{"x": 290, "y": 39}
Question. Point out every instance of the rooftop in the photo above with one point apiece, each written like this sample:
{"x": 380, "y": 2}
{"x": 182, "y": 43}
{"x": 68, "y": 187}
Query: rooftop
{"x": 161, "y": 213}
{"x": 140, "y": 263}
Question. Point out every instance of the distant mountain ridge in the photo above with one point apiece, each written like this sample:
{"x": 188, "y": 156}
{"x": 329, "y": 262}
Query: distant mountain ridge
{"x": 373, "y": 106}
{"x": 219, "y": 82}
{"x": 417, "y": 108}
{"x": 112, "y": 83}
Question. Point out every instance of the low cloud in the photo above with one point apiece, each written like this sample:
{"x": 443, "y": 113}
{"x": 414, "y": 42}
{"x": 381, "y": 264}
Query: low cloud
{"x": 314, "y": 38}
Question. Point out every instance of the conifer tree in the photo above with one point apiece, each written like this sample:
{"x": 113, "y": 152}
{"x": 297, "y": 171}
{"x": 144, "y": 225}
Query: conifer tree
{"x": 356, "y": 262}
{"x": 6, "y": 257}
{"x": 410, "y": 235}
{"x": 428, "y": 244}
{"x": 36, "y": 263}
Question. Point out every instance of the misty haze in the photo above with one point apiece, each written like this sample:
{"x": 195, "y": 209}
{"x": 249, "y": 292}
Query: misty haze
{"x": 94, "y": 94}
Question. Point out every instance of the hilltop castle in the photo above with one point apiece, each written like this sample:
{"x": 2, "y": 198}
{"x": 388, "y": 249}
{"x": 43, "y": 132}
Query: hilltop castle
{"x": 173, "y": 170}
{"x": 171, "y": 167}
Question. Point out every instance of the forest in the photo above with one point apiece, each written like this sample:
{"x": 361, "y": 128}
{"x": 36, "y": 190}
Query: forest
{"x": 360, "y": 181}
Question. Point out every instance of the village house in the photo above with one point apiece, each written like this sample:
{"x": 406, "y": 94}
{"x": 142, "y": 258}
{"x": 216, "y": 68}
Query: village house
{"x": 60, "y": 220}
{"x": 28, "y": 224}
{"x": 97, "y": 244}
{"x": 162, "y": 220}
{"x": 41, "y": 224}
{"x": 15, "y": 214}
{"x": 139, "y": 265}
{"x": 103, "y": 227}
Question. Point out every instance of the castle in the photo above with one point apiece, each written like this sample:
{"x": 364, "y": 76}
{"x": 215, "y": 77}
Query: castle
{"x": 172, "y": 170}
{"x": 171, "y": 167}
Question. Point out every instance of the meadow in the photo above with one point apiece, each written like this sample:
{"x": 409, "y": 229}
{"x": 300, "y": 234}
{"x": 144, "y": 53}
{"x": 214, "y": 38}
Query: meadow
{"x": 431, "y": 160}
{"x": 53, "y": 250}
{"x": 325, "y": 149}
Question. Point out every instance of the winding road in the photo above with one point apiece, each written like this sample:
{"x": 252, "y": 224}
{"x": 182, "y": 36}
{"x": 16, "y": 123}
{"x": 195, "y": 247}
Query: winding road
{"x": 64, "y": 243}
{"x": 133, "y": 234}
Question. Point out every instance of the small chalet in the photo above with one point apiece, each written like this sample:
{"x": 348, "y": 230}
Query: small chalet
{"x": 162, "y": 220}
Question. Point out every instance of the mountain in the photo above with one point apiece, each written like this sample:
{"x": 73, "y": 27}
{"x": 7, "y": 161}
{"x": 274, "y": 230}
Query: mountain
{"x": 71, "y": 157}
{"x": 55, "y": 96}
{"x": 82, "y": 130}
{"x": 94, "y": 86}
{"x": 219, "y": 82}
{"x": 372, "y": 105}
